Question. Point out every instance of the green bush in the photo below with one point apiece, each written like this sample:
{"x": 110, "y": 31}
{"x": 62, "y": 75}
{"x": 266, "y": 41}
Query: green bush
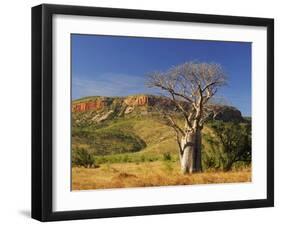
{"x": 167, "y": 156}
{"x": 230, "y": 145}
{"x": 81, "y": 157}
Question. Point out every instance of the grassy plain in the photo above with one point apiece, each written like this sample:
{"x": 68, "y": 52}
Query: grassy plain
{"x": 147, "y": 174}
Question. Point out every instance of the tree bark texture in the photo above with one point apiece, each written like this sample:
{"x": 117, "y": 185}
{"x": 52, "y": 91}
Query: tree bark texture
{"x": 190, "y": 157}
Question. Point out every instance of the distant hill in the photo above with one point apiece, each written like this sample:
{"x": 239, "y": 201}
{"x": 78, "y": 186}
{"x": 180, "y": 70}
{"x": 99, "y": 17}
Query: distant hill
{"x": 116, "y": 125}
{"x": 103, "y": 108}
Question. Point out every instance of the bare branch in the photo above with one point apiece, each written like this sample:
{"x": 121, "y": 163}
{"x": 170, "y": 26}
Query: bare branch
{"x": 190, "y": 87}
{"x": 174, "y": 124}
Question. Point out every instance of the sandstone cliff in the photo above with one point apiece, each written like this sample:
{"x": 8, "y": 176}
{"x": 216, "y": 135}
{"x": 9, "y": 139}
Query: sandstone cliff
{"x": 99, "y": 107}
{"x": 86, "y": 106}
{"x": 140, "y": 100}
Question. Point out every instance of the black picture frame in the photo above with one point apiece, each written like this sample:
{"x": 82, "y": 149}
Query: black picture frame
{"x": 42, "y": 111}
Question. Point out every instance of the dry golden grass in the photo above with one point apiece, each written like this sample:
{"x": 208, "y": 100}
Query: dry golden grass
{"x": 146, "y": 174}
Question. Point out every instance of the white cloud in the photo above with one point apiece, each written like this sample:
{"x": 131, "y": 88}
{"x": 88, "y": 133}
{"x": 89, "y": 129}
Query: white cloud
{"x": 109, "y": 84}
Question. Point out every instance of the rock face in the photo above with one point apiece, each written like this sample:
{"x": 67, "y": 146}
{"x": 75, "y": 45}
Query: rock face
{"x": 86, "y": 106}
{"x": 105, "y": 116}
{"x": 140, "y": 100}
{"x": 144, "y": 104}
{"x": 129, "y": 110}
{"x": 227, "y": 113}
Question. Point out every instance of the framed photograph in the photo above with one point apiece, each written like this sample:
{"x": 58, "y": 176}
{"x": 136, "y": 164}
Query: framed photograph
{"x": 145, "y": 112}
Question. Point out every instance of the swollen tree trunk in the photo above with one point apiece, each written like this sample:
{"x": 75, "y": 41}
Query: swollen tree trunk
{"x": 190, "y": 157}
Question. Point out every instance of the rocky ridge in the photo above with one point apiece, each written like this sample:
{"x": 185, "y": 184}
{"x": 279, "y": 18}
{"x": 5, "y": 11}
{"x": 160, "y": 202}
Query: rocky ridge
{"x": 102, "y": 108}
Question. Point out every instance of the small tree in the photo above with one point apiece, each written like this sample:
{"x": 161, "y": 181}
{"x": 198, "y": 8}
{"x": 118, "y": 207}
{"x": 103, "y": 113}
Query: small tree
{"x": 234, "y": 143}
{"x": 81, "y": 157}
{"x": 189, "y": 87}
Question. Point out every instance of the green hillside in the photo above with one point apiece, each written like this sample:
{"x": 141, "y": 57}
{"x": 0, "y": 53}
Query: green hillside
{"x": 112, "y": 135}
{"x": 125, "y": 135}
{"x": 131, "y": 139}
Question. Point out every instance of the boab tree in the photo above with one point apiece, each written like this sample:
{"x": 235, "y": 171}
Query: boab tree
{"x": 190, "y": 87}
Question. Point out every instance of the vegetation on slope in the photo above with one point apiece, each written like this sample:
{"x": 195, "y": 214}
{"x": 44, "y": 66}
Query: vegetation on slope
{"x": 137, "y": 149}
{"x": 143, "y": 139}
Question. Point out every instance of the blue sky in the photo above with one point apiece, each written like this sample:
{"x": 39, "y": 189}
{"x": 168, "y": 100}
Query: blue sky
{"x": 116, "y": 66}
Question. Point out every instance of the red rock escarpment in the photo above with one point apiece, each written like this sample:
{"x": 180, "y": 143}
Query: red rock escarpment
{"x": 225, "y": 113}
{"x": 136, "y": 100}
{"x": 132, "y": 101}
{"x": 86, "y": 106}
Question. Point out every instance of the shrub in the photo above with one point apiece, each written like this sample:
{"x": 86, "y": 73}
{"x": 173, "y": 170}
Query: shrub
{"x": 81, "y": 157}
{"x": 142, "y": 158}
{"x": 167, "y": 156}
{"x": 232, "y": 144}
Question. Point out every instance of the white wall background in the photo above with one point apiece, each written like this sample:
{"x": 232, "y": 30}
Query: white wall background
{"x": 15, "y": 113}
